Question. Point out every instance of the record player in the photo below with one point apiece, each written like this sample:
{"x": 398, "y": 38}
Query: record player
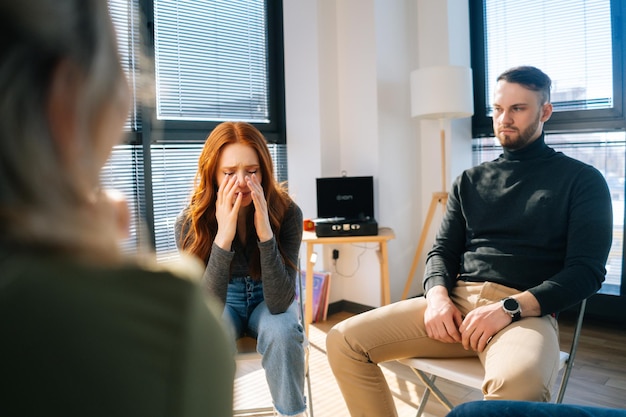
{"x": 345, "y": 207}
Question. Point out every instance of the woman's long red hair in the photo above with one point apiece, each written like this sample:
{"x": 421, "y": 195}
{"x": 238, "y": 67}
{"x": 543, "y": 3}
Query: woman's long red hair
{"x": 201, "y": 223}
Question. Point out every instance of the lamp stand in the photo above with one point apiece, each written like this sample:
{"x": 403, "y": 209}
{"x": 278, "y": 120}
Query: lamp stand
{"x": 440, "y": 197}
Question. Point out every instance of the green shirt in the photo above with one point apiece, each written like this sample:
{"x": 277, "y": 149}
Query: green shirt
{"x": 79, "y": 340}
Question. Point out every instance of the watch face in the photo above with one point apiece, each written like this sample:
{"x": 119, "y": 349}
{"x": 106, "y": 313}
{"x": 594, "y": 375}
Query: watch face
{"x": 511, "y": 304}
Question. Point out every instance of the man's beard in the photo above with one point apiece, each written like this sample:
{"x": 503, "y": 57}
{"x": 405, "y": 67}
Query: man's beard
{"x": 523, "y": 138}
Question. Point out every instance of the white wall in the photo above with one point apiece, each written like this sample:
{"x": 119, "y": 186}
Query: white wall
{"x": 347, "y": 66}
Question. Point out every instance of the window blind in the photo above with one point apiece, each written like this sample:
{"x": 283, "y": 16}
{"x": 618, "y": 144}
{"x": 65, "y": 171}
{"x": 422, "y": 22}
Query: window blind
{"x": 125, "y": 19}
{"x": 124, "y": 172}
{"x": 570, "y": 40}
{"x": 211, "y": 60}
{"x": 173, "y": 171}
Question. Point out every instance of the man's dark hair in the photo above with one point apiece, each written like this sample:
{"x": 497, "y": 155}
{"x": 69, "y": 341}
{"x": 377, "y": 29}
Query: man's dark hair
{"x": 531, "y": 78}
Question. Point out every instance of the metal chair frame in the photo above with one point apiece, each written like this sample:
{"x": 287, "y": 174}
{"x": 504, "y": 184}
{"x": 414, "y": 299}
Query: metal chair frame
{"x": 269, "y": 411}
{"x": 470, "y": 372}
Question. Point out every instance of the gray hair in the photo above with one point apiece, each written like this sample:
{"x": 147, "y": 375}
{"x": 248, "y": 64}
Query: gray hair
{"x": 43, "y": 201}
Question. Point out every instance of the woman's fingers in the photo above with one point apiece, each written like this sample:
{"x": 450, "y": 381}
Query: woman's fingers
{"x": 226, "y": 191}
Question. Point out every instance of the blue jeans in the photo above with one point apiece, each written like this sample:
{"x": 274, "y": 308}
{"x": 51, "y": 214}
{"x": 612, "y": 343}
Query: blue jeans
{"x": 524, "y": 409}
{"x": 280, "y": 340}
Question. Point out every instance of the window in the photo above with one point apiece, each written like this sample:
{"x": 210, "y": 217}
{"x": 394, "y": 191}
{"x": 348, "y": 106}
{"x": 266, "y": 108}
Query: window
{"x": 124, "y": 14}
{"x": 124, "y": 172}
{"x": 124, "y": 169}
{"x": 579, "y": 44}
{"x": 528, "y": 32}
{"x": 213, "y": 61}
{"x": 218, "y": 60}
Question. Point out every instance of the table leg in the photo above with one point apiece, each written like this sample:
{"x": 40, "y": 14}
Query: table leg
{"x": 385, "y": 296}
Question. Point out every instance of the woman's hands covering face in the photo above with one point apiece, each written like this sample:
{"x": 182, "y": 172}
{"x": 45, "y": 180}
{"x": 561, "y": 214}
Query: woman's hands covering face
{"x": 228, "y": 205}
{"x": 227, "y": 208}
{"x": 261, "y": 215}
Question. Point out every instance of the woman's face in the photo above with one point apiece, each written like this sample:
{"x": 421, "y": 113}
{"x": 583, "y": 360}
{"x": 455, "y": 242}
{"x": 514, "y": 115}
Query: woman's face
{"x": 241, "y": 161}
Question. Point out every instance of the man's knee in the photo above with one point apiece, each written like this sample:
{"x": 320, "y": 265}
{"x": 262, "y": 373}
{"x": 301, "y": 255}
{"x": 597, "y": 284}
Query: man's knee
{"x": 524, "y": 386}
{"x": 334, "y": 338}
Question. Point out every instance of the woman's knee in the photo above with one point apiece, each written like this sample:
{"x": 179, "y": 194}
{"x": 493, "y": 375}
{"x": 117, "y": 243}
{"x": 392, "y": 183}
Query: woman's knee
{"x": 282, "y": 328}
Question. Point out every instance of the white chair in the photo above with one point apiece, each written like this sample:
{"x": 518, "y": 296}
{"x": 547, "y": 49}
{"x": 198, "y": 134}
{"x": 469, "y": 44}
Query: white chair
{"x": 250, "y": 353}
{"x": 470, "y": 372}
{"x": 246, "y": 347}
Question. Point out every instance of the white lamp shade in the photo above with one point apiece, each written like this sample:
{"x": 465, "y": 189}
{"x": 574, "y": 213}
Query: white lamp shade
{"x": 443, "y": 92}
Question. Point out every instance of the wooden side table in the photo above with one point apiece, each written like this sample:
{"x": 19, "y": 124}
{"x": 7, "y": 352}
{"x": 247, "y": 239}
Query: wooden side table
{"x": 384, "y": 235}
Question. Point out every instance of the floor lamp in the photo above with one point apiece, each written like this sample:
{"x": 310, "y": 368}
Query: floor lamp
{"x": 438, "y": 93}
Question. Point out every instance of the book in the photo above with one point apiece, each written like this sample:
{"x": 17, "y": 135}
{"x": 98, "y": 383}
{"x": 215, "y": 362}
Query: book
{"x": 323, "y": 305}
{"x": 321, "y": 289}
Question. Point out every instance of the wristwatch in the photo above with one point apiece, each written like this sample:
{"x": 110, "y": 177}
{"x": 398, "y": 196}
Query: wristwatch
{"x": 512, "y": 308}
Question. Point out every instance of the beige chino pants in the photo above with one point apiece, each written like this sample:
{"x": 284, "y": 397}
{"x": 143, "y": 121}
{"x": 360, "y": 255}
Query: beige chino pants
{"x": 521, "y": 361}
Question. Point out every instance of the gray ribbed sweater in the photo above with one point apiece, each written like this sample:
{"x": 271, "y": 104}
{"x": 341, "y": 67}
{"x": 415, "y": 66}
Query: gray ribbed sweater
{"x": 279, "y": 280}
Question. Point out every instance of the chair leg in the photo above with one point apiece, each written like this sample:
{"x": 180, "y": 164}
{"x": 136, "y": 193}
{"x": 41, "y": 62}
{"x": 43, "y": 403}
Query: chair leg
{"x": 422, "y": 406}
{"x": 563, "y": 385}
{"x": 572, "y": 353}
{"x": 429, "y": 382}
{"x": 309, "y": 399}
{"x": 307, "y": 376}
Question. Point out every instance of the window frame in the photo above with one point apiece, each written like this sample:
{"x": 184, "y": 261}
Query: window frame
{"x": 561, "y": 121}
{"x": 185, "y": 131}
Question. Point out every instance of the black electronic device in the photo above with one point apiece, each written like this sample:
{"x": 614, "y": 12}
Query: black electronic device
{"x": 345, "y": 207}
{"x": 330, "y": 227}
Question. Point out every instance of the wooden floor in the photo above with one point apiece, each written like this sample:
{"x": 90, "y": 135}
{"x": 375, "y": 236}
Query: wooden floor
{"x": 598, "y": 377}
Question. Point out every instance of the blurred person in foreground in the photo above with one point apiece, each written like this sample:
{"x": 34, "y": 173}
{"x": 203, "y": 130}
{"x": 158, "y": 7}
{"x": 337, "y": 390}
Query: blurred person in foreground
{"x": 524, "y": 237}
{"x": 86, "y": 330}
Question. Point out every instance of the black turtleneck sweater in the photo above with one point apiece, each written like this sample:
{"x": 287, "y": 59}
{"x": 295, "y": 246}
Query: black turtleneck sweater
{"x": 533, "y": 219}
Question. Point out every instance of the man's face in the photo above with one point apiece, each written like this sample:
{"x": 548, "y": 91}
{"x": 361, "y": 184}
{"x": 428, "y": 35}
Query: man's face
{"x": 518, "y": 115}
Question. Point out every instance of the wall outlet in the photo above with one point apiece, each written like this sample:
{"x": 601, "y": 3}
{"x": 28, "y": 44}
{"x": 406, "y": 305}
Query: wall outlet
{"x": 335, "y": 254}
